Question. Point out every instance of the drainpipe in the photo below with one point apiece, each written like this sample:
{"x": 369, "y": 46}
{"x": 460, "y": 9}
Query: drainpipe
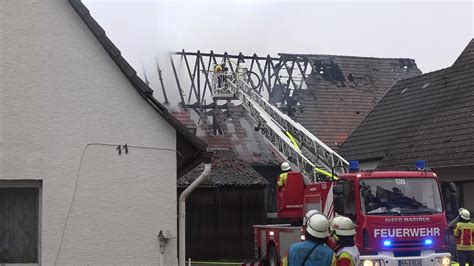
{"x": 182, "y": 211}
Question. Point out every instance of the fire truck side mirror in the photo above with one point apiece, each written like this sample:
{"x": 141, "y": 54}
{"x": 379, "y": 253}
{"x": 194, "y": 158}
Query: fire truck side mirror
{"x": 339, "y": 198}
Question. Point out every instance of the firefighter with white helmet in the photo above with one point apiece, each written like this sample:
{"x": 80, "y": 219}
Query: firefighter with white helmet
{"x": 465, "y": 214}
{"x": 334, "y": 221}
{"x": 333, "y": 237}
{"x": 343, "y": 233}
{"x": 314, "y": 250}
{"x": 464, "y": 234}
{"x": 308, "y": 215}
{"x": 285, "y": 168}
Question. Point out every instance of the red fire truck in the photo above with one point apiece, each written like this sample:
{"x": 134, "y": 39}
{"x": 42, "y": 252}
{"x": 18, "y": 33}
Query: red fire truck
{"x": 399, "y": 216}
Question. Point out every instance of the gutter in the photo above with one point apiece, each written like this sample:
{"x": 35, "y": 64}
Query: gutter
{"x": 182, "y": 211}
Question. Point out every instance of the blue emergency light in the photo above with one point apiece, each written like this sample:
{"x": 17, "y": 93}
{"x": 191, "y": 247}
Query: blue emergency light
{"x": 387, "y": 243}
{"x": 420, "y": 165}
{"x": 354, "y": 166}
{"x": 428, "y": 242}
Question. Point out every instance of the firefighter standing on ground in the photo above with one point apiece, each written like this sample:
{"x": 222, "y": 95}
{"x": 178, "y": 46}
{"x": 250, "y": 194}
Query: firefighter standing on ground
{"x": 285, "y": 168}
{"x": 464, "y": 234}
{"x": 314, "y": 251}
{"x": 343, "y": 233}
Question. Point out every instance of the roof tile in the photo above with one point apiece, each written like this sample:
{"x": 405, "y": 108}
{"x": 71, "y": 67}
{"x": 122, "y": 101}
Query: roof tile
{"x": 227, "y": 170}
{"x": 109, "y": 46}
{"x": 126, "y": 68}
{"x": 95, "y": 28}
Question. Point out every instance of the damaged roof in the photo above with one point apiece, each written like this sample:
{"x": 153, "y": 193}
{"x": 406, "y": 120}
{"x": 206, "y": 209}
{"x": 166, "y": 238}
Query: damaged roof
{"x": 428, "y": 117}
{"x": 341, "y": 90}
{"x": 191, "y": 148}
{"x": 227, "y": 170}
{"x": 234, "y": 130}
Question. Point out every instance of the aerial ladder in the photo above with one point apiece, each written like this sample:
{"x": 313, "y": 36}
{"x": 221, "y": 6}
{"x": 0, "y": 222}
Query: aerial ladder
{"x": 315, "y": 160}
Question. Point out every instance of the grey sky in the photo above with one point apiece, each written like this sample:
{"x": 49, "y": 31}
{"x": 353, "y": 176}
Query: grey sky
{"x": 432, "y": 33}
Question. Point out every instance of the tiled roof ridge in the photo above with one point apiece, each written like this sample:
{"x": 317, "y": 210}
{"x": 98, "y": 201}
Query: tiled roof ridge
{"x": 424, "y": 75}
{"x": 436, "y": 74}
{"x": 140, "y": 86}
{"x": 347, "y": 56}
{"x": 465, "y": 53}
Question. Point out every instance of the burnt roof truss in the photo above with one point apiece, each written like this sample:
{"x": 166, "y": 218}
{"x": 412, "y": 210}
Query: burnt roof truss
{"x": 280, "y": 76}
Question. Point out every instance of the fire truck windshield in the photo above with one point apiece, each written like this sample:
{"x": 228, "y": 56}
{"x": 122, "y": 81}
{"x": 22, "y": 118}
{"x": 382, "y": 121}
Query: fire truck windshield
{"x": 400, "y": 196}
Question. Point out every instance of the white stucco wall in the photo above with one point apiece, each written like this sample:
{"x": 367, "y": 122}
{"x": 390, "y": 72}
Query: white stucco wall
{"x": 59, "y": 93}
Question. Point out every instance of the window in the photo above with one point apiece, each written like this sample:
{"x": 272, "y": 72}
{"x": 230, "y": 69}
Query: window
{"x": 349, "y": 203}
{"x": 19, "y": 221}
{"x": 400, "y": 196}
{"x": 344, "y": 199}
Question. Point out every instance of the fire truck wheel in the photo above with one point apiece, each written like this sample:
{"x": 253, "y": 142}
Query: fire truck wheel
{"x": 273, "y": 259}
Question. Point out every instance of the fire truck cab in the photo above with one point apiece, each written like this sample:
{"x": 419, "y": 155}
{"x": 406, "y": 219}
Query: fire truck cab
{"x": 399, "y": 216}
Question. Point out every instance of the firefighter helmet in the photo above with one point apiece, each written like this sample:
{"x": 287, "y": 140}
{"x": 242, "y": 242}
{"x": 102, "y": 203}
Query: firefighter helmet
{"x": 318, "y": 226}
{"x": 465, "y": 214}
{"x": 334, "y": 221}
{"x": 218, "y": 68}
{"x": 285, "y": 166}
{"x": 343, "y": 226}
{"x": 308, "y": 215}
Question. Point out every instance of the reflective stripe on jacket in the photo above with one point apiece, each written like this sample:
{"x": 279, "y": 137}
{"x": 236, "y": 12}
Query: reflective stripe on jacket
{"x": 322, "y": 255}
{"x": 464, "y": 233}
{"x": 282, "y": 179}
{"x": 348, "y": 256}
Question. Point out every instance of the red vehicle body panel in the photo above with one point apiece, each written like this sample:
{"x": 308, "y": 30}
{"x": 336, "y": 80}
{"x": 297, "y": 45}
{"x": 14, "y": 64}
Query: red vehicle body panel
{"x": 295, "y": 197}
